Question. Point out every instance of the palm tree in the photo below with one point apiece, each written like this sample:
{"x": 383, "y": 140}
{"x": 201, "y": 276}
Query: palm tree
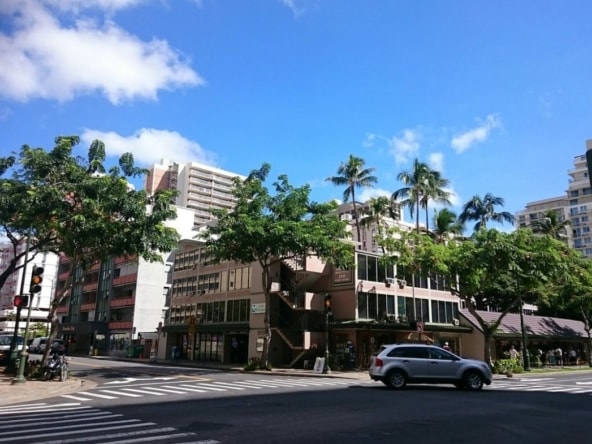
{"x": 482, "y": 210}
{"x": 446, "y": 224}
{"x": 551, "y": 225}
{"x": 434, "y": 189}
{"x": 379, "y": 208}
{"x": 411, "y": 194}
{"x": 353, "y": 174}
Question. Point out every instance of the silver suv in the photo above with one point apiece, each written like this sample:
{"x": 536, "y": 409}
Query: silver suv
{"x": 398, "y": 364}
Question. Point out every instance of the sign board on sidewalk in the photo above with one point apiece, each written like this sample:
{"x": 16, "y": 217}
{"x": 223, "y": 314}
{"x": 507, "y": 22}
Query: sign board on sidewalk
{"x": 319, "y": 365}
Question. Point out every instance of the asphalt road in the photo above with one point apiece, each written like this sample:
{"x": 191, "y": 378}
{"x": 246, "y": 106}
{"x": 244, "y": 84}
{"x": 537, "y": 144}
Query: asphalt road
{"x": 204, "y": 408}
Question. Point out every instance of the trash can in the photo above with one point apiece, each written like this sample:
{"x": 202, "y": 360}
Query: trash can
{"x": 133, "y": 351}
{"x": 139, "y": 351}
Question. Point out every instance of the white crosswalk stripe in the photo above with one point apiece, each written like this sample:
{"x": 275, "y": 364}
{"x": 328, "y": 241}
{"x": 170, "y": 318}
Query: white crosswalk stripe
{"x": 69, "y": 424}
{"x": 193, "y": 386}
{"x": 536, "y": 386}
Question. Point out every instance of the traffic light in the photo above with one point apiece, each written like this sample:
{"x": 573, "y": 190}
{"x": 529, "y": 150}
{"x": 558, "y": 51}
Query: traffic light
{"x": 36, "y": 279}
{"x": 328, "y": 308}
{"x": 21, "y": 301}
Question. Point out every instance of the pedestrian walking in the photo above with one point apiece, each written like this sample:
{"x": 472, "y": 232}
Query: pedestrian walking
{"x": 513, "y": 353}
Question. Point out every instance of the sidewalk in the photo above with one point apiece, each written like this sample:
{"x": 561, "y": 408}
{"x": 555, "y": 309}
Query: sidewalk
{"x": 34, "y": 390}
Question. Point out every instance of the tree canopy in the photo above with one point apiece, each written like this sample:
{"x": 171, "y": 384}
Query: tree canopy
{"x": 72, "y": 206}
{"x": 266, "y": 228}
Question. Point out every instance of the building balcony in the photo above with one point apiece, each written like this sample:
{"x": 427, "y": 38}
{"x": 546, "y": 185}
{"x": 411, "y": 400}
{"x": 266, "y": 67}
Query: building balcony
{"x": 122, "y": 302}
{"x": 121, "y": 325}
{"x": 90, "y": 287}
{"x": 123, "y": 259}
{"x": 88, "y": 306}
{"x": 125, "y": 280}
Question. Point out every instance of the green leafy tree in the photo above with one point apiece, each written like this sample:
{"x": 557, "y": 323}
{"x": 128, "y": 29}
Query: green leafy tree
{"x": 267, "y": 228}
{"x": 412, "y": 193}
{"x": 74, "y": 207}
{"x": 353, "y": 174}
{"x": 499, "y": 271}
{"x": 574, "y": 289}
{"x": 434, "y": 189}
{"x": 446, "y": 225}
{"x": 483, "y": 209}
{"x": 379, "y": 209}
{"x": 551, "y": 225}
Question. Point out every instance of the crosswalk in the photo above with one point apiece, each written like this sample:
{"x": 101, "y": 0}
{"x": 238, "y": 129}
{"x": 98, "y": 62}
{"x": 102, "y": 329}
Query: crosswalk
{"x": 186, "y": 387}
{"x": 548, "y": 385}
{"x": 73, "y": 423}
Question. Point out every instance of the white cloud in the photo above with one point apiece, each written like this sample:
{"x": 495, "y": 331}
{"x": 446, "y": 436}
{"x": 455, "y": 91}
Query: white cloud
{"x": 149, "y": 146}
{"x": 298, "y": 7}
{"x": 367, "y": 193}
{"x": 464, "y": 141}
{"x": 436, "y": 161}
{"x": 106, "y": 5}
{"x": 405, "y": 147}
{"x": 368, "y": 142}
{"x": 41, "y": 58}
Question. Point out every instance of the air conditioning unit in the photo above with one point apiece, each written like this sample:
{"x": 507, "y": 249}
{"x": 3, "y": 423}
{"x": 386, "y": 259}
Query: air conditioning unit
{"x": 402, "y": 283}
{"x": 389, "y": 281}
{"x": 455, "y": 321}
{"x": 391, "y": 318}
{"x": 403, "y": 319}
{"x": 191, "y": 293}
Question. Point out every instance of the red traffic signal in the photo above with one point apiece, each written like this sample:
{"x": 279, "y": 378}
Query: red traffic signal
{"x": 21, "y": 301}
{"x": 36, "y": 279}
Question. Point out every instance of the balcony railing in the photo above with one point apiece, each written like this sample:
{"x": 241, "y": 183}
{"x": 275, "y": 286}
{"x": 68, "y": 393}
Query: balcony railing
{"x": 121, "y": 325}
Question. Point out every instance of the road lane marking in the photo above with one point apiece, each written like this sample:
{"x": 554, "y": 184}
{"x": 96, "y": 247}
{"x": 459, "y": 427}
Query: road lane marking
{"x": 113, "y": 392}
{"x": 168, "y": 390}
{"x": 98, "y": 395}
{"x": 146, "y": 392}
{"x": 187, "y": 387}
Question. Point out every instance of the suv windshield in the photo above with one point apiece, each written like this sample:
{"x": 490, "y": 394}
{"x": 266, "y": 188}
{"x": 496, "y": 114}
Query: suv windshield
{"x": 7, "y": 340}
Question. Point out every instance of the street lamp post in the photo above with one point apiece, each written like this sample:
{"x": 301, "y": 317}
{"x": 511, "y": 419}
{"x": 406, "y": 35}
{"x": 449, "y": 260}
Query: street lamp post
{"x": 525, "y": 355}
{"x": 20, "y": 376}
{"x": 328, "y": 313}
{"x": 327, "y": 368}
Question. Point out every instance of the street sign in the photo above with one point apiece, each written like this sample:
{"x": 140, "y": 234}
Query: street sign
{"x": 420, "y": 327}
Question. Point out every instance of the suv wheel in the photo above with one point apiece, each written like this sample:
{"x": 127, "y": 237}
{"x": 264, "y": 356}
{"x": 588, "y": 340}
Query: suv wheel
{"x": 473, "y": 380}
{"x": 396, "y": 379}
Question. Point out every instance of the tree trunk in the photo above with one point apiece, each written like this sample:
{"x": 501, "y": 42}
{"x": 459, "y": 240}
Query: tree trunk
{"x": 356, "y": 216}
{"x": 589, "y": 348}
{"x": 487, "y": 336}
{"x": 266, "y": 283}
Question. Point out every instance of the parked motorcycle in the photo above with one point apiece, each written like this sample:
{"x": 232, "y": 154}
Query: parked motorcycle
{"x": 56, "y": 366}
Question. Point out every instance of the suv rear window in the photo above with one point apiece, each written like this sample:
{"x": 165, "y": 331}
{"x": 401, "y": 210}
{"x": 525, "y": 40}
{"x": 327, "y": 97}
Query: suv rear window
{"x": 409, "y": 352}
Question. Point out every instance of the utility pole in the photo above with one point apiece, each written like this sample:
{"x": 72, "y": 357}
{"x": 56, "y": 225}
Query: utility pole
{"x": 328, "y": 314}
{"x": 12, "y": 356}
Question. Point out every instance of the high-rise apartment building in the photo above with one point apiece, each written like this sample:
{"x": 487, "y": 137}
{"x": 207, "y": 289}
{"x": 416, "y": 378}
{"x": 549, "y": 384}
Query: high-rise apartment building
{"x": 575, "y": 206}
{"x": 201, "y": 187}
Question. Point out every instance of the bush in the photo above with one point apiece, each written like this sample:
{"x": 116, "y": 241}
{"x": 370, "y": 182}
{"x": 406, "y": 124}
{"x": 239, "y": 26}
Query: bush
{"x": 255, "y": 363}
{"x": 503, "y": 366}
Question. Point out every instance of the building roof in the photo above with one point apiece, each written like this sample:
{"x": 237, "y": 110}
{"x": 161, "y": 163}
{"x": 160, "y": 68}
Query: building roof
{"x": 539, "y": 326}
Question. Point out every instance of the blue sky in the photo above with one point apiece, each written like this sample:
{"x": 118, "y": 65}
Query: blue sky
{"x": 496, "y": 94}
